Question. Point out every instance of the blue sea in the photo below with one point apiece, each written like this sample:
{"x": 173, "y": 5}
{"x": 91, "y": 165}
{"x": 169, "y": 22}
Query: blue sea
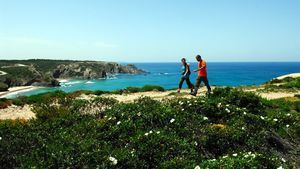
{"x": 167, "y": 75}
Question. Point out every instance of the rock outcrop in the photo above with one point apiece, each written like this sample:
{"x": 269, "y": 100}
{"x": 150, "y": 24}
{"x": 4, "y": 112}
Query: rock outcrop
{"x": 45, "y": 72}
{"x": 3, "y": 87}
{"x": 92, "y": 70}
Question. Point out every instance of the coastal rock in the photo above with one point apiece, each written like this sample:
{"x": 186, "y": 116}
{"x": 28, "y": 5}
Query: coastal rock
{"x": 45, "y": 72}
{"x": 93, "y": 70}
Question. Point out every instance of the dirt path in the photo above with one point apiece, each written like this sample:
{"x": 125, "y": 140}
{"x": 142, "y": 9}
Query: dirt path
{"x": 16, "y": 112}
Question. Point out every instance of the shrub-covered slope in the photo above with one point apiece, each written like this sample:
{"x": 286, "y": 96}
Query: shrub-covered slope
{"x": 229, "y": 129}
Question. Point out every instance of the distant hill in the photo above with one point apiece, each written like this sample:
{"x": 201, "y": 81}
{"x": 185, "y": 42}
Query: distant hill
{"x": 45, "y": 72}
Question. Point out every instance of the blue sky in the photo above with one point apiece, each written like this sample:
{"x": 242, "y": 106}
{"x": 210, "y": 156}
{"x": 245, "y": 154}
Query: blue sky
{"x": 150, "y": 30}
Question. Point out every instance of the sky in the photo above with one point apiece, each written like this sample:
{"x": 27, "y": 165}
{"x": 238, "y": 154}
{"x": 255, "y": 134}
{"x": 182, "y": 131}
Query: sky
{"x": 150, "y": 30}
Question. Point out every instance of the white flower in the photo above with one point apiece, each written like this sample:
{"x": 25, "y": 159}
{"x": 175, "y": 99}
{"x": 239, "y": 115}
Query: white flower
{"x": 253, "y": 155}
{"x": 139, "y": 113}
{"x": 205, "y": 118}
{"x": 246, "y": 156}
{"x": 146, "y": 134}
{"x": 172, "y": 120}
{"x": 227, "y": 105}
{"x": 219, "y": 105}
{"x": 0, "y": 138}
{"x": 249, "y": 152}
{"x": 190, "y": 104}
{"x": 197, "y": 167}
{"x": 262, "y": 117}
{"x": 196, "y": 144}
{"x": 243, "y": 128}
{"x": 109, "y": 118}
{"x": 225, "y": 156}
{"x": 245, "y": 113}
{"x": 119, "y": 122}
{"x": 195, "y": 101}
{"x": 287, "y": 125}
{"x": 275, "y": 119}
{"x": 182, "y": 109}
{"x": 181, "y": 103}
{"x": 280, "y": 167}
{"x": 113, "y": 160}
{"x": 288, "y": 114}
{"x": 234, "y": 155}
{"x": 202, "y": 101}
{"x": 150, "y": 132}
{"x": 157, "y": 132}
{"x": 228, "y": 111}
{"x": 283, "y": 160}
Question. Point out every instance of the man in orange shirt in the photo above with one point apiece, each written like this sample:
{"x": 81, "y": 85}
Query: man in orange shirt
{"x": 202, "y": 76}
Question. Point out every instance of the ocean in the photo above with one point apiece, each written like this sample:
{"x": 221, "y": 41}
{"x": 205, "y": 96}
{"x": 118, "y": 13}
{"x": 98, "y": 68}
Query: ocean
{"x": 167, "y": 75}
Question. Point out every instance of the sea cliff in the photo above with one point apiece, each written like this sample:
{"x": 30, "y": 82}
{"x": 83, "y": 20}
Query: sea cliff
{"x": 36, "y": 72}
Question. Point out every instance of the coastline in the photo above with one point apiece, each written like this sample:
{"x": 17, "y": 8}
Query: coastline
{"x": 21, "y": 89}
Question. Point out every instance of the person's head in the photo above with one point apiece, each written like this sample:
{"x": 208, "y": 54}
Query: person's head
{"x": 198, "y": 58}
{"x": 183, "y": 61}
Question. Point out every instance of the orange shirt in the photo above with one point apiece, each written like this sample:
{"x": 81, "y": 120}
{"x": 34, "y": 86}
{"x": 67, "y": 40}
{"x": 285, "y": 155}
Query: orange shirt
{"x": 202, "y": 72}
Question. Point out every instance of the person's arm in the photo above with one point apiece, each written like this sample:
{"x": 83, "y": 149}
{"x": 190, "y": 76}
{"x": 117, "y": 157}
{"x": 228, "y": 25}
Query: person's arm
{"x": 200, "y": 68}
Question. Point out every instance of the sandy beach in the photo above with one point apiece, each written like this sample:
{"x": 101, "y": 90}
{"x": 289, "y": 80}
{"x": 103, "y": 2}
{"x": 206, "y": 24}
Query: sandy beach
{"x": 292, "y": 75}
{"x": 15, "y": 90}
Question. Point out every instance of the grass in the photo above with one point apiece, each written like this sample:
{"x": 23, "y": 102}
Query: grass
{"x": 286, "y": 84}
{"x": 229, "y": 129}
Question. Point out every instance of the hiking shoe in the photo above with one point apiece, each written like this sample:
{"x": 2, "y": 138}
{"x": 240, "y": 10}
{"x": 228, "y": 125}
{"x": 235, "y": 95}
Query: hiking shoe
{"x": 193, "y": 94}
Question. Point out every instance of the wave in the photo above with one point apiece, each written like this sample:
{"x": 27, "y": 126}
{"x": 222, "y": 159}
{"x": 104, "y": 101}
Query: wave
{"x": 165, "y": 73}
{"x": 108, "y": 78}
{"x": 89, "y": 82}
{"x": 73, "y": 82}
{"x": 63, "y": 80}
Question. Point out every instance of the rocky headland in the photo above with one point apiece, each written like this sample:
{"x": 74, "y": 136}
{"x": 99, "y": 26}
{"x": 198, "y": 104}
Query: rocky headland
{"x": 46, "y": 72}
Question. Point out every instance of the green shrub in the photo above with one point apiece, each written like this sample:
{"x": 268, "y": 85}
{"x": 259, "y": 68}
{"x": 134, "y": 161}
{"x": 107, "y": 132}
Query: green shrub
{"x": 3, "y": 87}
{"x": 152, "y": 88}
{"x": 217, "y": 131}
{"x": 4, "y": 103}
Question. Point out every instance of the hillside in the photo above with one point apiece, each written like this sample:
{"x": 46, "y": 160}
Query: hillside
{"x": 127, "y": 129}
{"x": 45, "y": 72}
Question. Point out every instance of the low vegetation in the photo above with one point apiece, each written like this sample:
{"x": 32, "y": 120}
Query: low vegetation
{"x": 228, "y": 129}
{"x": 288, "y": 83}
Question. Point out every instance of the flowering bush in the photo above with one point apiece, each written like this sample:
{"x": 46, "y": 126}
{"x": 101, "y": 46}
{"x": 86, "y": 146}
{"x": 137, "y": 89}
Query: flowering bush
{"x": 217, "y": 131}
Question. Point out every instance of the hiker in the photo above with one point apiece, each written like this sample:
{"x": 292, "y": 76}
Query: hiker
{"x": 202, "y": 76}
{"x": 185, "y": 75}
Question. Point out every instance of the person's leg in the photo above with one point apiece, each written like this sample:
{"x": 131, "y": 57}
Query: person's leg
{"x": 197, "y": 85}
{"x": 207, "y": 84}
{"x": 190, "y": 85}
{"x": 180, "y": 84}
